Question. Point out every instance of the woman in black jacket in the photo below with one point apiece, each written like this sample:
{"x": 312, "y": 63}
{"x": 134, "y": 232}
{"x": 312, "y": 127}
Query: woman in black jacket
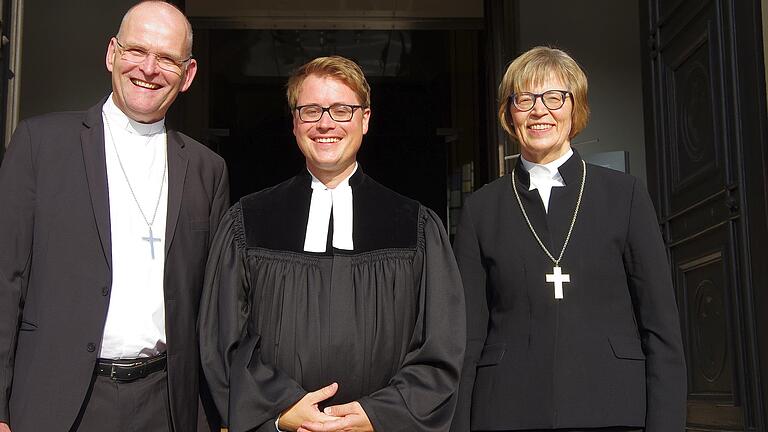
{"x": 571, "y": 312}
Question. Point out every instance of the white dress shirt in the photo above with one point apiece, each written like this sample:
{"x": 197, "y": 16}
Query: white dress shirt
{"x": 135, "y": 325}
{"x": 325, "y": 200}
{"x": 545, "y": 177}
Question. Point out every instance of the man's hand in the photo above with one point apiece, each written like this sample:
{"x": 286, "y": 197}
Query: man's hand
{"x": 305, "y": 410}
{"x": 352, "y": 419}
{"x": 4, "y": 427}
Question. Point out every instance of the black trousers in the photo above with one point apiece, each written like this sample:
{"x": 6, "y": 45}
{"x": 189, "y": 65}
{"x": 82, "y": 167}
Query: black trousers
{"x": 136, "y": 406}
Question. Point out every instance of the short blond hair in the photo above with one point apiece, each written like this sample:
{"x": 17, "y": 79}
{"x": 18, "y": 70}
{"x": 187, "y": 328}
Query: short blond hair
{"x": 532, "y": 68}
{"x": 337, "y": 67}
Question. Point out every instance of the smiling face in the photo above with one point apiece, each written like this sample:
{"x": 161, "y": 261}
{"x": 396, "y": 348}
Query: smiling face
{"x": 543, "y": 134}
{"x": 144, "y": 91}
{"x": 329, "y": 147}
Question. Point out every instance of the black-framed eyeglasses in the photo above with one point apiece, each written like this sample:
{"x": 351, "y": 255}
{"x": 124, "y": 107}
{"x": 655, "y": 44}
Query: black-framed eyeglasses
{"x": 137, "y": 54}
{"x": 338, "y": 112}
{"x": 552, "y": 99}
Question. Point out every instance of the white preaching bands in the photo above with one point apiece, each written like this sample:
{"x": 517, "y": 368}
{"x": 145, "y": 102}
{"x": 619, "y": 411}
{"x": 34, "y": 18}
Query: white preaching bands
{"x": 325, "y": 200}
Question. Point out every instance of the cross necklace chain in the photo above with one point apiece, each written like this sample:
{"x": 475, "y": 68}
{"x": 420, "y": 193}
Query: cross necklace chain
{"x": 151, "y": 239}
{"x": 557, "y": 277}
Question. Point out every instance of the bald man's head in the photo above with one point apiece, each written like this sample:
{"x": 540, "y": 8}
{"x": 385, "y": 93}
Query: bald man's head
{"x": 150, "y": 60}
{"x": 157, "y": 6}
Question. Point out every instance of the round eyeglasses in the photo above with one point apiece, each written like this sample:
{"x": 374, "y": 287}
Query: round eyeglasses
{"x": 137, "y": 54}
{"x": 338, "y": 112}
{"x": 552, "y": 99}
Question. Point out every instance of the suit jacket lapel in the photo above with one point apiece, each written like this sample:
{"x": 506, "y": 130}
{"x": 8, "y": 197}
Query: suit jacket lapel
{"x": 533, "y": 206}
{"x": 562, "y": 201}
{"x": 92, "y": 144}
{"x": 177, "y": 174}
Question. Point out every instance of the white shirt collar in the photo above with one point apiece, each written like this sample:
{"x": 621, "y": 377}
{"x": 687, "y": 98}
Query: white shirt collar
{"x": 324, "y": 200}
{"x": 317, "y": 184}
{"x": 548, "y": 170}
{"x": 546, "y": 176}
{"x": 118, "y": 119}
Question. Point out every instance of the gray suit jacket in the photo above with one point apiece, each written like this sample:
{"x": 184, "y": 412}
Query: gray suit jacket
{"x": 56, "y": 260}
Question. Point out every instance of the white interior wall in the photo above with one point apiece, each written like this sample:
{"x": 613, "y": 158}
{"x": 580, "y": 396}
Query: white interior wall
{"x": 604, "y": 37}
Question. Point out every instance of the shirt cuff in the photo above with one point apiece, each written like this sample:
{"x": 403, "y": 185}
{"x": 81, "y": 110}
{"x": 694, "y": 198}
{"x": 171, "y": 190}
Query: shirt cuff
{"x": 277, "y": 422}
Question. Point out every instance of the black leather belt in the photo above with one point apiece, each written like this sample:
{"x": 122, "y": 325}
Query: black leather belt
{"x": 126, "y": 370}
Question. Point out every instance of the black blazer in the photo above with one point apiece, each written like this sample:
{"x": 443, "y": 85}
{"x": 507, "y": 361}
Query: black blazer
{"x": 55, "y": 266}
{"x": 610, "y": 352}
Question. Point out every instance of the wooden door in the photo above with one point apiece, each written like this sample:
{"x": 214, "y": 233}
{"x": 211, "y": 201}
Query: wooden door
{"x": 705, "y": 117}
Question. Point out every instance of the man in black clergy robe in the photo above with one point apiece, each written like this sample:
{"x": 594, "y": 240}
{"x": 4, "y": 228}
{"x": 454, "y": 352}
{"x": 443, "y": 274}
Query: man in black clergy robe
{"x": 331, "y": 281}
{"x": 106, "y": 217}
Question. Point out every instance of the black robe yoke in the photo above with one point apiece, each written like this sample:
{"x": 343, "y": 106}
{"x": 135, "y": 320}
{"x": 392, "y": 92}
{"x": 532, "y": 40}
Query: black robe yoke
{"x": 385, "y": 320}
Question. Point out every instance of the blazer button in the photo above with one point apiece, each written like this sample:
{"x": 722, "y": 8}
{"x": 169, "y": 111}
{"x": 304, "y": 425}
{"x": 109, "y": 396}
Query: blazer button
{"x": 104, "y": 290}
{"x": 91, "y": 347}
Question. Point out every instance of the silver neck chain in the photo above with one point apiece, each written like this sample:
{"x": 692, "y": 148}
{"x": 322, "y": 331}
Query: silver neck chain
{"x": 149, "y": 222}
{"x": 573, "y": 220}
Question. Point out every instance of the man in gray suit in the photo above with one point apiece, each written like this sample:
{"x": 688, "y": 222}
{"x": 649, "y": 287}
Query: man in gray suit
{"x": 106, "y": 217}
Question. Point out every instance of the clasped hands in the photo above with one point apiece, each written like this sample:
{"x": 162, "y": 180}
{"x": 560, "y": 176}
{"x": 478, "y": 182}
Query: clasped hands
{"x": 305, "y": 416}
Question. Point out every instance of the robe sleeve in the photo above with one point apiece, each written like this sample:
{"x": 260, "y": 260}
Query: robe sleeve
{"x": 473, "y": 276}
{"x": 248, "y": 392}
{"x": 653, "y": 298}
{"x": 17, "y": 218}
{"x": 422, "y": 394}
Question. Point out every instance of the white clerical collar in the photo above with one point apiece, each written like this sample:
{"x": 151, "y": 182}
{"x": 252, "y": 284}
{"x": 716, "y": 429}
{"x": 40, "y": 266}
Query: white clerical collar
{"x": 118, "y": 119}
{"x": 546, "y": 176}
{"x": 548, "y": 170}
{"x": 317, "y": 184}
{"x": 324, "y": 200}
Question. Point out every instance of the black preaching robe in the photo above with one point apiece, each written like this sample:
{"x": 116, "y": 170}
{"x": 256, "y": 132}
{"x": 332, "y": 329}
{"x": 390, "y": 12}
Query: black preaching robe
{"x": 385, "y": 320}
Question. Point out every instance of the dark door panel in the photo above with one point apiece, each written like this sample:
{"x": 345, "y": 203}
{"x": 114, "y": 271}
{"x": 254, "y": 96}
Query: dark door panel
{"x": 697, "y": 106}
